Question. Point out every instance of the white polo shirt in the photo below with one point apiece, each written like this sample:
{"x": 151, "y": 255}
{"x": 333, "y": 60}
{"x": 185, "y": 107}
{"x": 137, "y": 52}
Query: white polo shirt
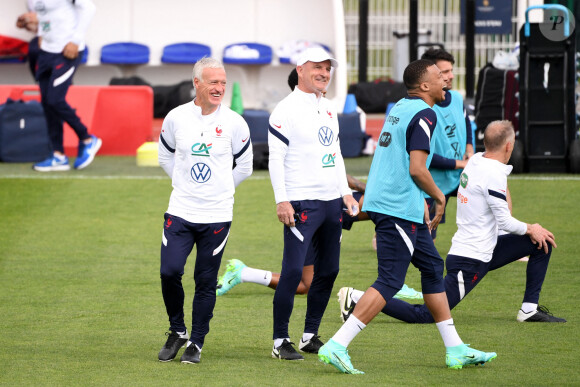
{"x": 198, "y": 153}
{"x": 305, "y": 159}
{"x": 482, "y": 209}
{"x": 61, "y": 22}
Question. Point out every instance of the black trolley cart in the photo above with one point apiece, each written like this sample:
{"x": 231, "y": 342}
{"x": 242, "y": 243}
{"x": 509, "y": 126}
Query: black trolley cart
{"x": 548, "y": 136}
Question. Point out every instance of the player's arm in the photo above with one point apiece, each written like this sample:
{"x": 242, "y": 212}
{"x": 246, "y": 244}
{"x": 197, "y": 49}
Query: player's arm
{"x": 278, "y": 143}
{"x": 418, "y": 139}
{"x": 501, "y": 208}
{"x": 355, "y": 184}
{"x": 442, "y": 162}
{"x": 85, "y": 10}
{"x": 243, "y": 154}
{"x": 349, "y": 201}
{"x": 468, "y": 137}
{"x": 166, "y": 149}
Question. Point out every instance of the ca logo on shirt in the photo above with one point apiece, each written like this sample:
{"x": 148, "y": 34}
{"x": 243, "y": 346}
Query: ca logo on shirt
{"x": 328, "y": 160}
{"x": 200, "y": 149}
{"x": 200, "y": 173}
{"x": 325, "y": 135}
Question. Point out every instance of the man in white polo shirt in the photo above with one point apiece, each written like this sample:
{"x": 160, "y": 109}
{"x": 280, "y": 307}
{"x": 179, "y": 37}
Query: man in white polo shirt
{"x": 198, "y": 144}
{"x": 310, "y": 187}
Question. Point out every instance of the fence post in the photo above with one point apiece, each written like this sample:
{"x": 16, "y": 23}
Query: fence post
{"x": 413, "y": 29}
{"x": 469, "y": 49}
{"x": 363, "y": 37}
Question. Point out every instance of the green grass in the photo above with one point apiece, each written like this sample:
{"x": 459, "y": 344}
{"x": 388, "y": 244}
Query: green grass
{"x": 80, "y": 300}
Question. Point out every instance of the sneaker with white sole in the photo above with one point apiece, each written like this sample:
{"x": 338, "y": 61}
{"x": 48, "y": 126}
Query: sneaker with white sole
{"x": 310, "y": 346}
{"x": 87, "y": 152}
{"x": 174, "y": 342}
{"x": 51, "y": 164}
{"x": 461, "y": 355}
{"x": 337, "y": 355}
{"x": 346, "y": 303}
{"x": 408, "y": 293}
{"x": 541, "y": 314}
{"x": 286, "y": 351}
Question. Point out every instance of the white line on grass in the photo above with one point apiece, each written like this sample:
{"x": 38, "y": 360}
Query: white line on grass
{"x": 254, "y": 177}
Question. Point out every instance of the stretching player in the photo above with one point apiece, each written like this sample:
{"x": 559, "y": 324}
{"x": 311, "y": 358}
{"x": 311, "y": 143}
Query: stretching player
{"x": 476, "y": 249}
{"x": 198, "y": 144}
{"x": 237, "y": 272}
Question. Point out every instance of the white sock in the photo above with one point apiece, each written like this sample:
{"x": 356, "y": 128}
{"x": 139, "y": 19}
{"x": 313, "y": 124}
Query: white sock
{"x": 60, "y": 157}
{"x": 278, "y": 342}
{"x": 183, "y": 335}
{"x": 307, "y": 336}
{"x": 348, "y": 331}
{"x": 256, "y": 276}
{"x": 448, "y": 333}
{"x": 528, "y": 307}
{"x": 356, "y": 295}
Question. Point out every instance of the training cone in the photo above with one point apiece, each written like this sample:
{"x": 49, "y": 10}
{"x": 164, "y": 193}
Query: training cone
{"x": 349, "y": 104}
{"x": 237, "y": 104}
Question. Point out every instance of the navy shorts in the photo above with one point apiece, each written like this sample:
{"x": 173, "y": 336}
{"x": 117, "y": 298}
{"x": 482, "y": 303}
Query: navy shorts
{"x": 400, "y": 242}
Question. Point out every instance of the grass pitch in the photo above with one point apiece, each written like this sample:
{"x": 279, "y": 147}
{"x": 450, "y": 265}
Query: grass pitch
{"x": 80, "y": 300}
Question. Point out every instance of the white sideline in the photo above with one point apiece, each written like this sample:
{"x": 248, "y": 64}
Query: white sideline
{"x": 58, "y": 176}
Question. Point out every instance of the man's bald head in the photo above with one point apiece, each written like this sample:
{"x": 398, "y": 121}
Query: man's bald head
{"x": 497, "y": 134}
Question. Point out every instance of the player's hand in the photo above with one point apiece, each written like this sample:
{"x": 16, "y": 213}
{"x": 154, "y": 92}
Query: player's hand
{"x": 71, "y": 50}
{"x": 285, "y": 213}
{"x": 426, "y": 215}
{"x": 439, "y": 211}
{"x": 460, "y": 164}
{"x": 541, "y": 236}
{"x": 351, "y": 205}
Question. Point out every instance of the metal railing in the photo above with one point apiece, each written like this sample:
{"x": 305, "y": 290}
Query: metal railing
{"x": 441, "y": 17}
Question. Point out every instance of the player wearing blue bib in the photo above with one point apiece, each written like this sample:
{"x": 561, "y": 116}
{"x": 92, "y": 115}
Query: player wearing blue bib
{"x": 394, "y": 202}
{"x": 452, "y": 143}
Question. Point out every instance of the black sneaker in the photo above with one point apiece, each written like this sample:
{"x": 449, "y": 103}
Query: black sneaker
{"x": 286, "y": 351}
{"x": 172, "y": 345}
{"x": 310, "y": 346}
{"x": 542, "y": 314}
{"x": 191, "y": 355}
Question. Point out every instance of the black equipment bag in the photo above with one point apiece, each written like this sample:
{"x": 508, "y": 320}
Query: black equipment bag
{"x": 496, "y": 99}
{"x": 23, "y": 132}
{"x": 374, "y": 97}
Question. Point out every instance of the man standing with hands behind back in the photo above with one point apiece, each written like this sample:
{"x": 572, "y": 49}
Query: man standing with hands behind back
{"x": 198, "y": 144}
{"x": 309, "y": 181}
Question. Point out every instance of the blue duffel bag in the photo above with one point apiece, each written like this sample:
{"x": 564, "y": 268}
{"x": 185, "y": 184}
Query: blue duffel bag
{"x": 23, "y": 132}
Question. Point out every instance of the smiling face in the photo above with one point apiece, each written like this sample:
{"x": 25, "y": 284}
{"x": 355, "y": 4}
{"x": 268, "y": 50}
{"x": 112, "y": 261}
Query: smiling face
{"x": 313, "y": 77}
{"x": 446, "y": 68}
{"x": 436, "y": 84}
{"x": 210, "y": 89}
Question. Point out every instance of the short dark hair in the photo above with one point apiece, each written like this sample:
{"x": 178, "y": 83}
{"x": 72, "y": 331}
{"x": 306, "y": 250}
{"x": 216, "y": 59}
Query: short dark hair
{"x": 437, "y": 54}
{"x": 293, "y": 79}
{"x": 414, "y": 72}
{"x": 496, "y": 134}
